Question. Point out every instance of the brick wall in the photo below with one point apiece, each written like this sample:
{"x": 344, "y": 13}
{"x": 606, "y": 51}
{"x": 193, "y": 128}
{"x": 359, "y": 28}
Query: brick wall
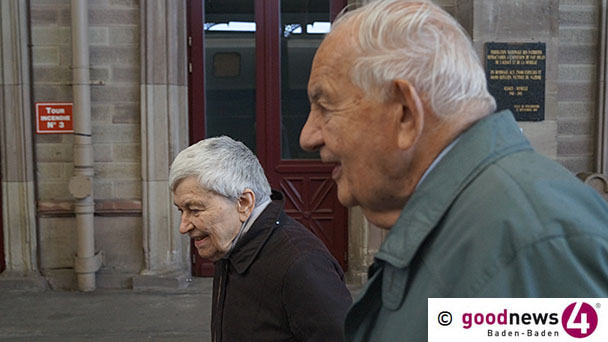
{"x": 578, "y": 55}
{"x": 115, "y": 58}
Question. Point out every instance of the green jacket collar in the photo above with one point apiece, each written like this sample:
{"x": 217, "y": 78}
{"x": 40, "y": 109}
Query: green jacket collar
{"x": 487, "y": 141}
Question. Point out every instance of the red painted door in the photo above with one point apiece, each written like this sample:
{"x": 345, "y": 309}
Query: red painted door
{"x": 250, "y": 66}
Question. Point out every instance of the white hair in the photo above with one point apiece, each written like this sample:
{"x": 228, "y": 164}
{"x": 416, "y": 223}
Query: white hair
{"x": 222, "y": 165}
{"x": 417, "y": 41}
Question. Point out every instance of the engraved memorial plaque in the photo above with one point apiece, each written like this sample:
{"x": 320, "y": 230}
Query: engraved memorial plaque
{"x": 516, "y": 78}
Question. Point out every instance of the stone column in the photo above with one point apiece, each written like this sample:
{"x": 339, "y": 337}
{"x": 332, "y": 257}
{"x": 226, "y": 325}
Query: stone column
{"x": 599, "y": 179}
{"x": 164, "y": 132}
{"x": 521, "y": 22}
{"x": 364, "y": 240}
{"x": 16, "y": 148}
{"x": 602, "y": 108}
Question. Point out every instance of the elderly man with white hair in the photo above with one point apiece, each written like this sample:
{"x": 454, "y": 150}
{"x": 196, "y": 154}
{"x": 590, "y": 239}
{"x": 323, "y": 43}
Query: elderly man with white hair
{"x": 399, "y": 103}
{"x": 274, "y": 280}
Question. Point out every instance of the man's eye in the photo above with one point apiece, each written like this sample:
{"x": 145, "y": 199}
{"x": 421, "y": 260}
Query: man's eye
{"x": 195, "y": 211}
{"x": 324, "y": 111}
{"x": 318, "y": 106}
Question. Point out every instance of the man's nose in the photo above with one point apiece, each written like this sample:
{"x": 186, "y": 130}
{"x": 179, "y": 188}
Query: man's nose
{"x": 185, "y": 225}
{"x": 311, "y": 138}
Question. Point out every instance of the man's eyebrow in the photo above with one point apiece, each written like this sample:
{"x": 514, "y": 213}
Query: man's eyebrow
{"x": 192, "y": 202}
{"x": 185, "y": 204}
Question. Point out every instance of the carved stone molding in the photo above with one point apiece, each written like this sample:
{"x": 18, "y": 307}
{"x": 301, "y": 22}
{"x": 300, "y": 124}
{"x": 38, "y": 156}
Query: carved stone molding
{"x": 17, "y": 164}
{"x": 164, "y": 132}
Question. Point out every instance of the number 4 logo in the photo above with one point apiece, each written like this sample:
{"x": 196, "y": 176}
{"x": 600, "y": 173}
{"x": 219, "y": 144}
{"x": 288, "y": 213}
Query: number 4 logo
{"x": 579, "y": 319}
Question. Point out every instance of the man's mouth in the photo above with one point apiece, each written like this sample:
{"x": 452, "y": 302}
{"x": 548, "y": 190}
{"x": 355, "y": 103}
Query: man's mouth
{"x": 327, "y": 157}
{"x": 199, "y": 239}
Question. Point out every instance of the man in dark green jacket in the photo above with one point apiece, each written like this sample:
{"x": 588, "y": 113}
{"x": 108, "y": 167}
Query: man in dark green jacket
{"x": 399, "y": 102}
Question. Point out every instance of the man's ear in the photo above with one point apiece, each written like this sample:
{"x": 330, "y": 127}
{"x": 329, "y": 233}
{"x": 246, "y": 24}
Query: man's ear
{"x": 411, "y": 116}
{"x": 245, "y": 204}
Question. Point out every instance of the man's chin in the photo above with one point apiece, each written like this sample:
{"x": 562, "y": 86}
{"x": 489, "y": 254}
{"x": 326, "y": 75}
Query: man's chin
{"x": 346, "y": 199}
{"x": 213, "y": 257}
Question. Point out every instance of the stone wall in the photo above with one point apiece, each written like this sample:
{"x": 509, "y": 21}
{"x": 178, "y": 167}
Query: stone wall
{"x": 570, "y": 30}
{"x": 114, "y": 57}
{"x": 579, "y": 22}
{"x": 114, "y": 34}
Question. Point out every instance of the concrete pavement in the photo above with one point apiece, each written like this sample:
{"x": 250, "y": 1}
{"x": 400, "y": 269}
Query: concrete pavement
{"x": 107, "y": 315}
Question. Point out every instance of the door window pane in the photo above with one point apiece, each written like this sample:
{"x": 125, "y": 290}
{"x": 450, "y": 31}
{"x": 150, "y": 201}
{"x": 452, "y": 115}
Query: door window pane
{"x": 230, "y": 70}
{"x": 304, "y": 24}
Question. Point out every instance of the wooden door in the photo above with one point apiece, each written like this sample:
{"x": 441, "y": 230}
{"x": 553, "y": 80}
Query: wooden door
{"x": 250, "y": 65}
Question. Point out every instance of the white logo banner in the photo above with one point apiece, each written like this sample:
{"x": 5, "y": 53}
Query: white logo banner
{"x": 518, "y": 319}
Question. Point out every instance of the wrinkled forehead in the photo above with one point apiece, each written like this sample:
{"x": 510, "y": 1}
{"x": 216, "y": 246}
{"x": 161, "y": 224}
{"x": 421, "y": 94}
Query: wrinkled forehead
{"x": 337, "y": 51}
{"x": 339, "y": 40}
{"x": 330, "y": 71}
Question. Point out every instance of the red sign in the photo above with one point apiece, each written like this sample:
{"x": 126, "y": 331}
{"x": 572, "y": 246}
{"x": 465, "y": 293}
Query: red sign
{"x": 54, "y": 117}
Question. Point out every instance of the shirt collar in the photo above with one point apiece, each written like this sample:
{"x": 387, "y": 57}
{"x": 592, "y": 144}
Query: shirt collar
{"x": 249, "y": 222}
{"x": 437, "y": 160}
{"x": 255, "y": 214}
{"x": 244, "y": 253}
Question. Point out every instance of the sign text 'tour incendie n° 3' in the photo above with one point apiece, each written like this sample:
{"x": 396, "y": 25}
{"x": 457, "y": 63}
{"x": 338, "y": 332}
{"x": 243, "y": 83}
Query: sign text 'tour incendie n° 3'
{"x": 54, "y": 117}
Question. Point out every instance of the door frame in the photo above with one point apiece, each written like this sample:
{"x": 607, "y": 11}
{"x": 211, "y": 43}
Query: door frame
{"x": 196, "y": 104}
{"x": 277, "y": 169}
{"x": 268, "y": 101}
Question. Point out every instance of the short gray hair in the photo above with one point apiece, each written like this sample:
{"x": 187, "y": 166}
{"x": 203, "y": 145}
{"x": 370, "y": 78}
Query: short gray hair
{"x": 417, "y": 41}
{"x": 222, "y": 165}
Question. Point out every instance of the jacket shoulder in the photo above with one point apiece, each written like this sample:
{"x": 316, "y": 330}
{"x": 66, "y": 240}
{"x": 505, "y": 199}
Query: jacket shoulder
{"x": 521, "y": 212}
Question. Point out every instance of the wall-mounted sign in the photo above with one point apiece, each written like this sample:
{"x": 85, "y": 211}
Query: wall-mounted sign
{"x": 54, "y": 117}
{"x": 516, "y": 78}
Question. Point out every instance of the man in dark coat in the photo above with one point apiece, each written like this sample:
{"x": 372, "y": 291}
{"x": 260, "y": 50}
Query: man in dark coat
{"x": 274, "y": 279}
